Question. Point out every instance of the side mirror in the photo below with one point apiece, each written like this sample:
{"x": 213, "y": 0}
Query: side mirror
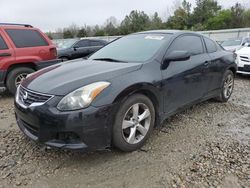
{"x": 178, "y": 56}
{"x": 76, "y": 47}
{"x": 175, "y": 56}
{"x": 247, "y": 44}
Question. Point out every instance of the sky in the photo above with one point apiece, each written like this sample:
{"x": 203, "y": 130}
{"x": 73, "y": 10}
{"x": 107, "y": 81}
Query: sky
{"x": 49, "y": 15}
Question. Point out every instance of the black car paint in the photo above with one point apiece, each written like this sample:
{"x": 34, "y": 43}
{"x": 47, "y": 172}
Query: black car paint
{"x": 178, "y": 85}
{"x": 75, "y": 51}
{"x": 84, "y": 73}
{"x": 43, "y": 64}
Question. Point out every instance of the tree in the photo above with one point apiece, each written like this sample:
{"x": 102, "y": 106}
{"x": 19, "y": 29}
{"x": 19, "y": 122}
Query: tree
{"x": 49, "y": 34}
{"x": 156, "y": 22}
{"x": 82, "y": 33}
{"x": 67, "y": 34}
{"x": 110, "y": 27}
{"x": 204, "y": 10}
{"x": 181, "y": 18}
{"x": 246, "y": 18}
{"x": 98, "y": 31}
{"x": 134, "y": 22}
{"x": 237, "y": 16}
{"x": 221, "y": 21}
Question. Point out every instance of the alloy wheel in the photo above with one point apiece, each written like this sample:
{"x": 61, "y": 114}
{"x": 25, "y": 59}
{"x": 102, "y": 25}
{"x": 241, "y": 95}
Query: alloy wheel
{"x": 228, "y": 86}
{"x": 20, "y": 78}
{"x": 136, "y": 123}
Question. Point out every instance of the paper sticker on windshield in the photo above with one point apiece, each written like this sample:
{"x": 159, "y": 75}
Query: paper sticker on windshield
{"x": 154, "y": 37}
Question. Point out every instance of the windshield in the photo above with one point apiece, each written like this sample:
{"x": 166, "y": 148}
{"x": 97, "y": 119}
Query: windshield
{"x": 232, "y": 42}
{"x": 66, "y": 43}
{"x": 135, "y": 48}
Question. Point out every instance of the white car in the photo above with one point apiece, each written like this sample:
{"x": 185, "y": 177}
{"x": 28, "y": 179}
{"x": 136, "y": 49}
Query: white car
{"x": 243, "y": 59}
{"x": 235, "y": 44}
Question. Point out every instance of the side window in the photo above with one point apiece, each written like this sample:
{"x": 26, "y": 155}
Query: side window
{"x": 192, "y": 44}
{"x": 24, "y": 38}
{"x": 83, "y": 43}
{"x": 3, "y": 45}
{"x": 95, "y": 43}
{"x": 211, "y": 46}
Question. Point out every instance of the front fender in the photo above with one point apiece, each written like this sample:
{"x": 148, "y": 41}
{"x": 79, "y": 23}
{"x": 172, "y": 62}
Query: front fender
{"x": 148, "y": 79}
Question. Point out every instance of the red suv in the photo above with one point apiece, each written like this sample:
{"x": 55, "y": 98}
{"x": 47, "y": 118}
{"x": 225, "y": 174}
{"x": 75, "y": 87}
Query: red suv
{"x": 23, "y": 50}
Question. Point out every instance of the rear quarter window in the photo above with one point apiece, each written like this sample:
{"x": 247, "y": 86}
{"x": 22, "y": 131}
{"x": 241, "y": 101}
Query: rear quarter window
{"x": 24, "y": 38}
{"x": 211, "y": 45}
{"x": 3, "y": 45}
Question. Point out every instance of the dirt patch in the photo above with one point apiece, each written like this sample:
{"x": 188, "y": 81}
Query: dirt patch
{"x": 204, "y": 146}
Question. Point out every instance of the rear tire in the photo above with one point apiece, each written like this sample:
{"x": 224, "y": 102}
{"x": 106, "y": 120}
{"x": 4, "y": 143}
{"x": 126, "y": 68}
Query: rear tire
{"x": 15, "y": 77}
{"x": 134, "y": 123}
{"x": 227, "y": 87}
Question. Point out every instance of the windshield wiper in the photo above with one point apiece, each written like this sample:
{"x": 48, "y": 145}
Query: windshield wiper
{"x": 109, "y": 59}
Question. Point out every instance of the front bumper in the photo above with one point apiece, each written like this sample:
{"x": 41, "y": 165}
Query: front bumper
{"x": 243, "y": 62}
{"x": 87, "y": 129}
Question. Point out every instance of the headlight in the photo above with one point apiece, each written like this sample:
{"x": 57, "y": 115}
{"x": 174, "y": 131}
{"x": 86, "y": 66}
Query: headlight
{"x": 82, "y": 97}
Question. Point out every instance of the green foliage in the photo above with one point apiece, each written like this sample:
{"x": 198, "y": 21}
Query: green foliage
{"x": 134, "y": 22}
{"x": 110, "y": 30}
{"x": 237, "y": 16}
{"x": 82, "y": 33}
{"x": 181, "y": 18}
{"x": 49, "y": 34}
{"x": 204, "y": 10}
{"x": 221, "y": 21}
{"x": 67, "y": 34}
{"x": 156, "y": 22}
{"x": 206, "y": 15}
{"x": 246, "y": 18}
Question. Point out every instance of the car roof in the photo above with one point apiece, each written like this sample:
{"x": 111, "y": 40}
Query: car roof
{"x": 15, "y": 26}
{"x": 175, "y": 32}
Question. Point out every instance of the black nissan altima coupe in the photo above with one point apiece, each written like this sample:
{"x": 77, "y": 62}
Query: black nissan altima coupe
{"x": 120, "y": 93}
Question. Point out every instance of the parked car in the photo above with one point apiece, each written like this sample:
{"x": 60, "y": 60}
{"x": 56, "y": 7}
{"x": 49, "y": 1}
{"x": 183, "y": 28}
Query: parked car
{"x": 235, "y": 43}
{"x": 120, "y": 93}
{"x": 243, "y": 59}
{"x": 76, "y": 48}
{"x": 23, "y": 50}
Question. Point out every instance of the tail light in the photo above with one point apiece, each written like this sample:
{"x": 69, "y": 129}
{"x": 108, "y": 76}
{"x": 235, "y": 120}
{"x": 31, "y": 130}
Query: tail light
{"x": 53, "y": 51}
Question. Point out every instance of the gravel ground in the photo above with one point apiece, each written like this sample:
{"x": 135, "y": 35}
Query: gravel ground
{"x": 207, "y": 145}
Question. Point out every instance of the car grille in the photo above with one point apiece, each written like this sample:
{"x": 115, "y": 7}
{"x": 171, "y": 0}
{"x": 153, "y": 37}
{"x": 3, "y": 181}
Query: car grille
{"x": 245, "y": 59}
{"x": 27, "y": 97}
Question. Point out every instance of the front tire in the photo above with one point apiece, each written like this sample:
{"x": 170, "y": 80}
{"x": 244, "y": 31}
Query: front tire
{"x": 134, "y": 123}
{"x": 15, "y": 77}
{"x": 227, "y": 87}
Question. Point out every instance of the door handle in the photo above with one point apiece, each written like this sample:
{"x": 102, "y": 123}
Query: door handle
{"x": 207, "y": 63}
{"x": 5, "y": 55}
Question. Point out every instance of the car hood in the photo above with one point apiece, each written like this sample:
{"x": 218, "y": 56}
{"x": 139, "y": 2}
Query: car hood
{"x": 231, "y": 48}
{"x": 64, "y": 78}
{"x": 244, "y": 51}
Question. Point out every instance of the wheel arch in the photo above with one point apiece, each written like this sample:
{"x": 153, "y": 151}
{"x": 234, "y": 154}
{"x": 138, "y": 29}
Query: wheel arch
{"x": 31, "y": 65}
{"x": 146, "y": 89}
{"x": 233, "y": 69}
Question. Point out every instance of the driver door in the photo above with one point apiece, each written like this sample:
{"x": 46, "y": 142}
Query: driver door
{"x": 184, "y": 81}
